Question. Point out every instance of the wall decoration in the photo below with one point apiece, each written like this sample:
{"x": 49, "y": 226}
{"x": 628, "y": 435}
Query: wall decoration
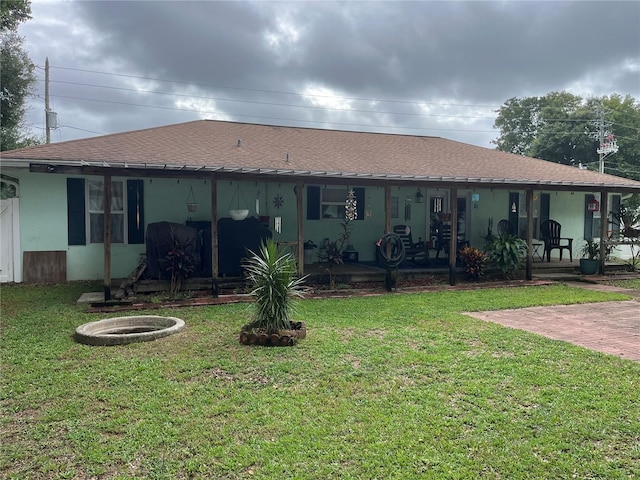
{"x": 278, "y": 201}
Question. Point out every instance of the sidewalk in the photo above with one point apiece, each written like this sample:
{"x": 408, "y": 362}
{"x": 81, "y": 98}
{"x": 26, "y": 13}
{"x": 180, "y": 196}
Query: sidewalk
{"x": 608, "y": 327}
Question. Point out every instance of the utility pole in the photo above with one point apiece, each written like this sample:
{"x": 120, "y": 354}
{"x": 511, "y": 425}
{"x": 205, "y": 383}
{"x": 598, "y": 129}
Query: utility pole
{"x": 607, "y": 144}
{"x": 47, "y": 126}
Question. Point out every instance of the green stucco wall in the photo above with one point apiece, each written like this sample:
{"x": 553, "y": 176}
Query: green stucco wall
{"x": 43, "y": 215}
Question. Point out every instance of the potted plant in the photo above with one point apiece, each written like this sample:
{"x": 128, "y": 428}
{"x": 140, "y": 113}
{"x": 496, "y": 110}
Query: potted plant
{"x": 275, "y": 287}
{"x": 590, "y": 260}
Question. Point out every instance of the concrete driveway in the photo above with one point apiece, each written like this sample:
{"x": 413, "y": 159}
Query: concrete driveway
{"x": 608, "y": 327}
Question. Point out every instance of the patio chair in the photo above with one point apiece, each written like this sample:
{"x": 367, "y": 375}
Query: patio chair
{"x": 505, "y": 227}
{"x": 550, "y": 233}
{"x": 417, "y": 252}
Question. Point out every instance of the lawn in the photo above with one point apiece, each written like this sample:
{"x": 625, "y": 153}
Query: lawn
{"x": 396, "y": 387}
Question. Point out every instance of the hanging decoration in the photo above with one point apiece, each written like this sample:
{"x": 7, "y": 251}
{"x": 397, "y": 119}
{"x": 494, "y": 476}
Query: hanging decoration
{"x": 475, "y": 198}
{"x": 351, "y": 206}
{"x": 407, "y": 208}
{"x": 278, "y": 201}
{"x": 192, "y": 206}
{"x": 277, "y": 224}
{"x": 237, "y": 213}
{"x": 419, "y": 196}
{"x": 258, "y": 202}
{"x": 367, "y": 212}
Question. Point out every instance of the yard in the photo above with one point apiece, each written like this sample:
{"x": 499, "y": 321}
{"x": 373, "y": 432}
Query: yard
{"x": 398, "y": 386}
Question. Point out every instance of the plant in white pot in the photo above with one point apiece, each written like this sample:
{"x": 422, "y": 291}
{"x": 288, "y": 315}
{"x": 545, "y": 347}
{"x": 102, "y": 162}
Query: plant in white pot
{"x": 590, "y": 261}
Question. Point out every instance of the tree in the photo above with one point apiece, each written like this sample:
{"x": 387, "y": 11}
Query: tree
{"x": 561, "y": 127}
{"x": 12, "y": 13}
{"x": 17, "y": 80}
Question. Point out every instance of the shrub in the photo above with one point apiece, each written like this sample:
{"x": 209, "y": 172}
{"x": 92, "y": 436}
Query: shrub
{"x": 473, "y": 262}
{"x": 507, "y": 252}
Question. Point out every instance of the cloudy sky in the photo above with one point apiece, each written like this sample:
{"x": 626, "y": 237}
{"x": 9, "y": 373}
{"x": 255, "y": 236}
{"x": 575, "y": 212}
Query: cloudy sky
{"x": 419, "y": 68}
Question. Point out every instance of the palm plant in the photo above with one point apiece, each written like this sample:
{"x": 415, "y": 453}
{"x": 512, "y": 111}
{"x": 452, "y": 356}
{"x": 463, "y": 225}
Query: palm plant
{"x": 275, "y": 286}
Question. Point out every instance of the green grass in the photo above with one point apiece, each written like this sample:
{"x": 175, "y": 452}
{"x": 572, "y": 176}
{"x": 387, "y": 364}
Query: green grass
{"x": 395, "y": 387}
{"x": 633, "y": 283}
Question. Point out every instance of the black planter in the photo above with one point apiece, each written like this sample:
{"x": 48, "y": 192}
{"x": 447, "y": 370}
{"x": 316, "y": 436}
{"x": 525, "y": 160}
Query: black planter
{"x": 589, "y": 266}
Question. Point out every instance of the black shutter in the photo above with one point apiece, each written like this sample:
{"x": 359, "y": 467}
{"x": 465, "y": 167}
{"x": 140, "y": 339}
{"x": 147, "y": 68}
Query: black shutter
{"x": 545, "y": 202}
{"x": 313, "y": 202}
{"x": 514, "y": 199}
{"x": 360, "y": 202}
{"x": 76, "y": 216}
{"x": 135, "y": 211}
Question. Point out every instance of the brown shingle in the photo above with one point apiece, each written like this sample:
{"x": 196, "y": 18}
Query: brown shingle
{"x": 214, "y": 144}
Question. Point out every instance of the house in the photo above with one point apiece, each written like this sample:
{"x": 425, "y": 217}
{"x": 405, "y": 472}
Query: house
{"x": 295, "y": 180}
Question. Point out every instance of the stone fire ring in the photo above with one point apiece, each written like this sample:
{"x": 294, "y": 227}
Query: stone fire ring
{"x": 123, "y": 330}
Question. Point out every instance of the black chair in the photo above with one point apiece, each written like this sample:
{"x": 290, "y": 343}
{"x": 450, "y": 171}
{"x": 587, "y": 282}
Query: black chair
{"x": 550, "y": 233}
{"x": 505, "y": 227}
{"x": 417, "y": 252}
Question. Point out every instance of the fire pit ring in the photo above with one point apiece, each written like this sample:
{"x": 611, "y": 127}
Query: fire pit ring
{"x": 123, "y": 330}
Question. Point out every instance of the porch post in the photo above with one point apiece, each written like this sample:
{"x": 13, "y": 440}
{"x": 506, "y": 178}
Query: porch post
{"x": 387, "y": 215}
{"x": 604, "y": 228}
{"x": 214, "y": 235}
{"x": 453, "y": 244}
{"x": 529, "y": 268}
{"x": 299, "y": 188}
{"x": 387, "y": 208}
{"x": 106, "y": 195}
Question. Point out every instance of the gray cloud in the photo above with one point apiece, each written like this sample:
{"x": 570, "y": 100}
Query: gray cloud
{"x": 247, "y": 61}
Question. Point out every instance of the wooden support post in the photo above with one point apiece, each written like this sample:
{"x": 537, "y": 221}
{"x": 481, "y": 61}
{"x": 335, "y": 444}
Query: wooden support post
{"x": 214, "y": 235}
{"x": 604, "y": 228}
{"x": 529, "y": 268}
{"x": 299, "y": 191}
{"x": 106, "y": 195}
{"x": 453, "y": 244}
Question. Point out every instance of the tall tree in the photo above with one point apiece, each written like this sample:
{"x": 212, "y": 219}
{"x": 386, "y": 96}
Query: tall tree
{"x": 12, "y": 13}
{"x": 17, "y": 80}
{"x": 561, "y": 127}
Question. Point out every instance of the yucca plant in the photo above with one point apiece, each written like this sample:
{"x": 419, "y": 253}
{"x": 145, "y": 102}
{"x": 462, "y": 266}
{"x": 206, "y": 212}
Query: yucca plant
{"x": 275, "y": 287}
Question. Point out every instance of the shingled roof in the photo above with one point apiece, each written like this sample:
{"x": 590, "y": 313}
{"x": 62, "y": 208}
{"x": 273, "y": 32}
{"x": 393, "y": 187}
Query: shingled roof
{"x": 219, "y": 146}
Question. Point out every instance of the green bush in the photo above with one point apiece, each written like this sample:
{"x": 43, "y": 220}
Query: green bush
{"x": 473, "y": 262}
{"x": 507, "y": 253}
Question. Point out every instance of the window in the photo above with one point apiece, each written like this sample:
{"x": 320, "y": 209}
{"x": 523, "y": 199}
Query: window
{"x": 332, "y": 202}
{"x": 329, "y": 202}
{"x": 95, "y": 192}
{"x": 85, "y": 211}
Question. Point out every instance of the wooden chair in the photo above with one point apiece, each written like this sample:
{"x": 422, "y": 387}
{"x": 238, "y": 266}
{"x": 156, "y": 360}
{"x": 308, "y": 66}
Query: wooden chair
{"x": 417, "y": 252}
{"x": 550, "y": 233}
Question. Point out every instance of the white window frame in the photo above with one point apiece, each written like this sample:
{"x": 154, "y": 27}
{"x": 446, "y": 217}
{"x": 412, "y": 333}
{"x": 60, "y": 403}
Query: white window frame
{"x": 118, "y": 211}
{"x": 333, "y": 202}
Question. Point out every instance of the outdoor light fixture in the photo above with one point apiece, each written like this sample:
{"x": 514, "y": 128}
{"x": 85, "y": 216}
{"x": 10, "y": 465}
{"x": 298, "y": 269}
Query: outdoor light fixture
{"x": 514, "y": 209}
{"x": 419, "y": 196}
